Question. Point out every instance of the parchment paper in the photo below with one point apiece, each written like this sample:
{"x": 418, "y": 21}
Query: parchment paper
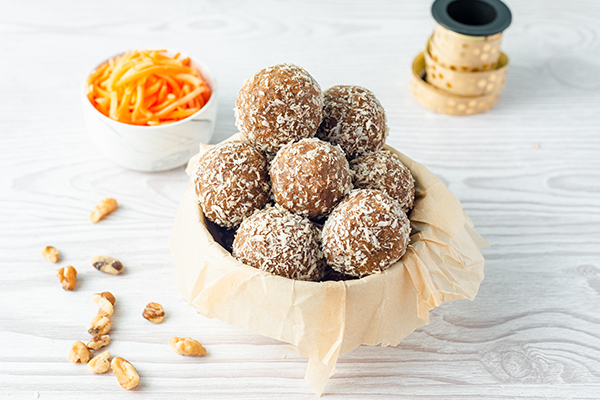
{"x": 324, "y": 320}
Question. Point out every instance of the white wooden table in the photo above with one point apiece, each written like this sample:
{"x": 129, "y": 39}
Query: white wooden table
{"x": 527, "y": 172}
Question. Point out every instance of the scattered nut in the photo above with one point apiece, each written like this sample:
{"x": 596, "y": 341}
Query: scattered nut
{"x": 103, "y": 208}
{"x": 50, "y": 253}
{"x": 187, "y": 346}
{"x": 108, "y": 296}
{"x": 154, "y": 312}
{"x": 104, "y": 302}
{"x": 67, "y": 277}
{"x": 107, "y": 264}
{"x": 98, "y": 342}
{"x": 106, "y": 309}
{"x": 79, "y": 353}
{"x": 100, "y": 326}
{"x": 100, "y": 363}
{"x": 125, "y": 372}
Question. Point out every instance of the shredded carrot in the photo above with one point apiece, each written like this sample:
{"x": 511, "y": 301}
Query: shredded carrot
{"x": 149, "y": 102}
{"x": 113, "y": 104}
{"x": 162, "y": 93}
{"x": 138, "y": 103}
{"x": 147, "y": 87}
{"x": 154, "y": 88}
{"x": 170, "y": 98}
{"x": 174, "y": 85}
{"x": 191, "y": 79}
{"x": 165, "y": 111}
{"x": 122, "y": 110}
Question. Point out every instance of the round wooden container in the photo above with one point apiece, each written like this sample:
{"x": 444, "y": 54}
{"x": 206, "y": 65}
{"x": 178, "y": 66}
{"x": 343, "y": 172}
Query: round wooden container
{"x": 465, "y": 53}
{"x": 468, "y": 33}
{"x": 465, "y": 83}
{"x": 440, "y": 101}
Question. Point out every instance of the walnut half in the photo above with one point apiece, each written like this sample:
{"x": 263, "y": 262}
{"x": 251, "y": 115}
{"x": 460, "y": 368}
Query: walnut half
{"x": 126, "y": 374}
{"x": 103, "y": 208}
{"x": 187, "y": 346}
{"x": 154, "y": 312}
{"x": 100, "y": 364}
{"x": 107, "y": 264}
{"x": 100, "y": 326}
{"x": 79, "y": 353}
{"x": 105, "y": 301}
{"x": 50, "y": 253}
{"x": 67, "y": 277}
{"x": 99, "y": 341}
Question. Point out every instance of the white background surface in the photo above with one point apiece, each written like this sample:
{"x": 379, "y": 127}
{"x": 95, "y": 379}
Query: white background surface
{"x": 527, "y": 172}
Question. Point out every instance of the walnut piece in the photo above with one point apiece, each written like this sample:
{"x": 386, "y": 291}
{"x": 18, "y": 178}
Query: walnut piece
{"x": 67, "y": 277}
{"x": 109, "y": 296}
{"x": 154, "y": 312}
{"x": 50, "y": 253}
{"x": 107, "y": 264}
{"x": 104, "y": 302}
{"x": 187, "y": 346}
{"x": 126, "y": 374}
{"x": 103, "y": 208}
{"x": 100, "y": 364}
{"x": 97, "y": 342}
{"x": 79, "y": 353}
{"x": 100, "y": 326}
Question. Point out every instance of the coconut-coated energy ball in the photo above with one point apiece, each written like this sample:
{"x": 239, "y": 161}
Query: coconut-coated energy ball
{"x": 310, "y": 177}
{"x": 354, "y": 119}
{"x": 231, "y": 182}
{"x": 365, "y": 234}
{"x": 279, "y": 105}
{"x": 383, "y": 170}
{"x": 280, "y": 242}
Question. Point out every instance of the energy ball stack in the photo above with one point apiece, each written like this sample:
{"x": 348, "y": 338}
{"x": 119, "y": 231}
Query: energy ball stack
{"x": 276, "y": 211}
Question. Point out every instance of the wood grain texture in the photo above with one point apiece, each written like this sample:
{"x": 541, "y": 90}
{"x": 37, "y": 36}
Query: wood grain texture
{"x": 528, "y": 174}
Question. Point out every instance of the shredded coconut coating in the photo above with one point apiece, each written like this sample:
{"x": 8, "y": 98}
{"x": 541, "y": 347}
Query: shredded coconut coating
{"x": 280, "y": 242}
{"x": 279, "y": 105}
{"x": 310, "y": 177}
{"x": 231, "y": 182}
{"x": 354, "y": 119}
{"x": 383, "y": 170}
{"x": 366, "y": 233}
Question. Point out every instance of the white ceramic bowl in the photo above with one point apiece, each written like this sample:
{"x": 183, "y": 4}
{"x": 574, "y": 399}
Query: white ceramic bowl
{"x": 152, "y": 148}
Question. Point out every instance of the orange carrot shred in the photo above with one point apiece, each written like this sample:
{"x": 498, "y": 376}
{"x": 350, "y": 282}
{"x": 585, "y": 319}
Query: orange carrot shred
{"x": 162, "y": 93}
{"x": 139, "y": 102}
{"x": 171, "y": 82}
{"x": 147, "y": 87}
{"x": 182, "y": 100}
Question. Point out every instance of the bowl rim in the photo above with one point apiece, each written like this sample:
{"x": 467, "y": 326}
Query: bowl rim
{"x": 201, "y": 65}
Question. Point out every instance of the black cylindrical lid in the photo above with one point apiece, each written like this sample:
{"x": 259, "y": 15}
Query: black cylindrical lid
{"x": 472, "y": 17}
